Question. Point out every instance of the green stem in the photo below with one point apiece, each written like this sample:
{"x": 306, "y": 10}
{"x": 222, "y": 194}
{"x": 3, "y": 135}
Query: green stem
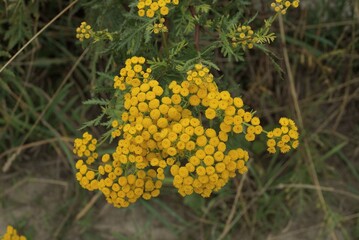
{"x": 165, "y": 45}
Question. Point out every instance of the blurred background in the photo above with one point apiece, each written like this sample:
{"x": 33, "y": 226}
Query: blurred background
{"x": 311, "y": 193}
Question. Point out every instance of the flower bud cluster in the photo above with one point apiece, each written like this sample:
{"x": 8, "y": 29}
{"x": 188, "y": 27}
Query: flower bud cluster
{"x": 84, "y": 31}
{"x": 160, "y": 27}
{"x": 282, "y": 6}
{"x": 285, "y": 138}
{"x": 11, "y": 234}
{"x": 150, "y": 8}
{"x": 243, "y": 36}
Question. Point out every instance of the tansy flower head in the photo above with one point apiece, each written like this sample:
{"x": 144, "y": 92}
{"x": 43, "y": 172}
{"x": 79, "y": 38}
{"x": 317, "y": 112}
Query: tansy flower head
{"x": 85, "y": 147}
{"x": 11, "y": 234}
{"x": 150, "y": 8}
{"x": 208, "y": 170}
{"x": 132, "y": 74}
{"x": 285, "y": 137}
{"x": 200, "y": 75}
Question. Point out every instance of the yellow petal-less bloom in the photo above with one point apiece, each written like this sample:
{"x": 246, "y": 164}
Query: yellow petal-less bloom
{"x": 210, "y": 113}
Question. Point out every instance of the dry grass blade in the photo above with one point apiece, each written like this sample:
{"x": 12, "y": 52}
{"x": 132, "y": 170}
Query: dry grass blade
{"x": 38, "y": 34}
{"x": 228, "y": 225}
{"x": 34, "y": 180}
{"x": 346, "y": 97}
{"x": 322, "y": 188}
{"x": 10, "y": 160}
{"x": 88, "y": 206}
{"x": 312, "y": 170}
{"x": 34, "y": 144}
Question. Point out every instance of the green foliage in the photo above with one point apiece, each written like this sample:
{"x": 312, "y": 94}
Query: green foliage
{"x": 96, "y": 101}
{"x": 175, "y": 52}
{"x": 18, "y": 15}
{"x": 262, "y": 39}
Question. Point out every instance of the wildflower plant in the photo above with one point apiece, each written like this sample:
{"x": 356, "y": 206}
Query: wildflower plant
{"x": 167, "y": 115}
{"x": 11, "y": 234}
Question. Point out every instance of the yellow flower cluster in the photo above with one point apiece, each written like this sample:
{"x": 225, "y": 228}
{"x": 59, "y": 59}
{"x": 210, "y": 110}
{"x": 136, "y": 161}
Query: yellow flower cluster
{"x": 132, "y": 74}
{"x": 11, "y": 234}
{"x": 149, "y": 8}
{"x": 200, "y": 90}
{"x": 116, "y": 129}
{"x": 285, "y": 137}
{"x": 243, "y": 36}
{"x": 134, "y": 170}
{"x": 84, "y": 31}
{"x": 157, "y": 130}
{"x": 118, "y": 179}
{"x": 86, "y": 147}
{"x": 283, "y": 5}
{"x": 209, "y": 169}
{"x": 160, "y": 27}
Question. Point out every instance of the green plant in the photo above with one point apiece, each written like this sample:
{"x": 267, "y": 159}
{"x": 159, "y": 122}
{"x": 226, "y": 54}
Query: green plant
{"x": 180, "y": 127}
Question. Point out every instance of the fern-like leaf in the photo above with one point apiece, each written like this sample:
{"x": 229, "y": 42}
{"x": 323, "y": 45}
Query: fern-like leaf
{"x": 96, "y": 101}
